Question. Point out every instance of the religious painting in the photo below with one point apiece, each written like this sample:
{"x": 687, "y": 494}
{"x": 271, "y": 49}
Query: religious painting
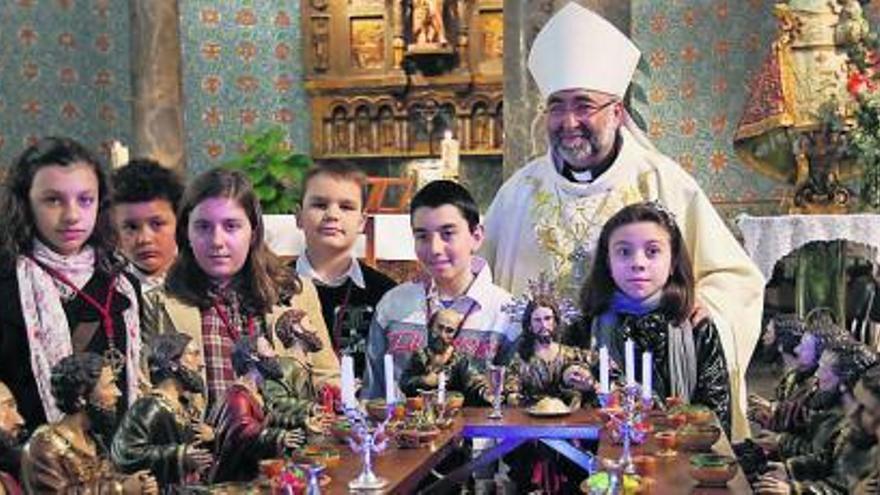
{"x": 367, "y": 43}
{"x": 491, "y": 35}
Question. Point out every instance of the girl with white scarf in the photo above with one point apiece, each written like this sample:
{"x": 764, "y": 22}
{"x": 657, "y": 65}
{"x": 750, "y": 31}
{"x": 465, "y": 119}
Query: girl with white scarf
{"x": 63, "y": 289}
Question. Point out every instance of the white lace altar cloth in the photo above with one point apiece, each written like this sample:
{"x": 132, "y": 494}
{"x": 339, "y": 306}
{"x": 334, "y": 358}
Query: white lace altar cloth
{"x": 768, "y": 239}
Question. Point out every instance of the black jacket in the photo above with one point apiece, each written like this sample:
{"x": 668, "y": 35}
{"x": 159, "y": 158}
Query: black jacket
{"x": 15, "y": 352}
{"x": 649, "y": 334}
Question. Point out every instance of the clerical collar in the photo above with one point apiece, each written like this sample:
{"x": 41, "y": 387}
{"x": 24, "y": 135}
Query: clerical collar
{"x": 592, "y": 174}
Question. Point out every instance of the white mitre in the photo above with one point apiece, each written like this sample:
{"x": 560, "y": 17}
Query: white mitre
{"x": 578, "y": 48}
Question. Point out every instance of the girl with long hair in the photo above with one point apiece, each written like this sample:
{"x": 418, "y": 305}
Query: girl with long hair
{"x": 226, "y": 283}
{"x": 641, "y": 288}
{"x": 65, "y": 290}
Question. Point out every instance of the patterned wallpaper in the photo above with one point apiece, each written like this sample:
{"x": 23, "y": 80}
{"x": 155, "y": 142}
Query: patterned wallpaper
{"x": 64, "y": 70}
{"x": 242, "y": 70}
{"x": 702, "y": 55}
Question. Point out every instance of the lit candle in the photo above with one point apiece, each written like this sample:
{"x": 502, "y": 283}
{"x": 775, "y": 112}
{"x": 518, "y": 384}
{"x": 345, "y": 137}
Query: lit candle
{"x": 647, "y": 377}
{"x": 441, "y": 388}
{"x": 348, "y": 399}
{"x": 630, "y": 362}
{"x": 118, "y": 155}
{"x": 604, "y": 386}
{"x": 389, "y": 379}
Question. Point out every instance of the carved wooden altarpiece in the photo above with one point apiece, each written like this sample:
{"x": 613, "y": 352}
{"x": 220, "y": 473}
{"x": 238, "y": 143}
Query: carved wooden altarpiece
{"x": 386, "y": 78}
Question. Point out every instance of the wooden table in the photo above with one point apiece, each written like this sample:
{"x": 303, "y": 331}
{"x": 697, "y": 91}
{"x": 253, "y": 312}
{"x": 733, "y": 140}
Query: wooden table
{"x": 405, "y": 468}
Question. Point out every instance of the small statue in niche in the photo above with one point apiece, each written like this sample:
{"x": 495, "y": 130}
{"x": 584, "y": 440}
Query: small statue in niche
{"x": 320, "y": 40}
{"x": 480, "y": 128}
{"x": 363, "y": 130}
{"x": 340, "y": 132}
{"x": 427, "y": 23}
{"x": 386, "y": 128}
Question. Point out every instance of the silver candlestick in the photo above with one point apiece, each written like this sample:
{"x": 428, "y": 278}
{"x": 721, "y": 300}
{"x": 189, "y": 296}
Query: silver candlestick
{"x": 634, "y": 405}
{"x": 496, "y": 377}
{"x": 367, "y": 440}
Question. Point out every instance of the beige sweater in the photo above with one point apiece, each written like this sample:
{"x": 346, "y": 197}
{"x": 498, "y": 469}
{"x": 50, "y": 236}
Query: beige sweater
{"x": 187, "y": 319}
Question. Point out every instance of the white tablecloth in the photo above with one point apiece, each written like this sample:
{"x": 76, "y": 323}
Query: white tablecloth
{"x": 768, "y": 239}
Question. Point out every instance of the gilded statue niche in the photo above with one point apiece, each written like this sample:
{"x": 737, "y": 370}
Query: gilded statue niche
{"x": 371, "y": 96}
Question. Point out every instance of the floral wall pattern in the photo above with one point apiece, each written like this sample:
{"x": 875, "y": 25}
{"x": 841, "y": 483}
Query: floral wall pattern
{"x": 702, "y": 55}
{"x": 242, "y": 70}
{"x": 64, "y": 70}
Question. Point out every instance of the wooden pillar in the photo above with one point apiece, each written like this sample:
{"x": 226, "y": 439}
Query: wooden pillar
{"x": 157, "y": 109}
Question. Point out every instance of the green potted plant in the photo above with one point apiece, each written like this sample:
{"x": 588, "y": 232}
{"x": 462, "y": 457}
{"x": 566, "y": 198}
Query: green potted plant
{"x": 276, "y": 173}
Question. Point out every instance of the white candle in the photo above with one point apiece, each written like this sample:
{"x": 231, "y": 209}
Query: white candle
{"x": 118, "y": 155}
{"x": 348, "y": 399}
{"x": 441, "y": 388}
{"x": 647, "y": 377}
{"x": 389, "y": 379}
{"x": 630, "y": 363}
{"x": 604, "y": 386}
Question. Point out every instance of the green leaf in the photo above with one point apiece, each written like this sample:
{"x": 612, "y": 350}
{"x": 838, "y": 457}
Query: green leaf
{"x": 266, "y": 192}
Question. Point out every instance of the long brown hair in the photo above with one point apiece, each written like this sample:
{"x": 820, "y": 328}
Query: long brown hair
{"x": 263, "y": 281}
{"x": 15, "y": 210}
{"x": 678, "y": 293}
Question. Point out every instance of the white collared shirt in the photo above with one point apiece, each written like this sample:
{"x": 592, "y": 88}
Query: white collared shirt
{"x": 148, "y": 282}
{"x": 305, "y": 269}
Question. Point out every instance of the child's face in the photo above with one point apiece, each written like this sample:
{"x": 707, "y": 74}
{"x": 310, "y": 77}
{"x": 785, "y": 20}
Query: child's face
{"x": 332, "y": 215}
{"x": 444, "y": 243}
{"x": 146, "y": 234}
{"x": 64, "y": 202}
{"x": 220, "y": 234}
{"x": 640, "y": 257}
{"x": 543, "y": 321}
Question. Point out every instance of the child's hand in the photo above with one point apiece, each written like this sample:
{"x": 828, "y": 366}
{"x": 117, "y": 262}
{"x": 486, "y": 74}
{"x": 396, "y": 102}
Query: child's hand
{"x": 698, "y": 313}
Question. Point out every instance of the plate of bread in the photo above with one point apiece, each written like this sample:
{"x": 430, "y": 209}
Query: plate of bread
{"x": 549, "y": 407}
